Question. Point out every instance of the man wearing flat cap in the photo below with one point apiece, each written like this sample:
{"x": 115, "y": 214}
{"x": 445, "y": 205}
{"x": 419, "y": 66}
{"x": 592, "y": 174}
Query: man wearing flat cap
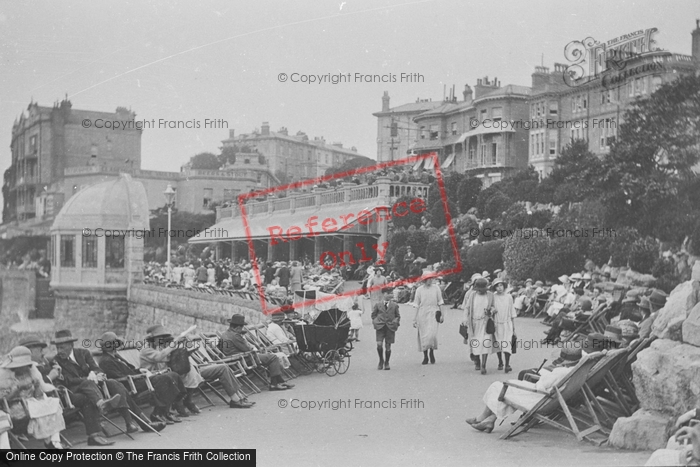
{"x": 167, "y": 388}
{"x": 233, "y": 342}
{"x": 156, "y": 357}
{"x": 81, "y": 375}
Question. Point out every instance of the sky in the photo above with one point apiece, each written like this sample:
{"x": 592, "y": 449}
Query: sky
{"x": 185, "y": 61}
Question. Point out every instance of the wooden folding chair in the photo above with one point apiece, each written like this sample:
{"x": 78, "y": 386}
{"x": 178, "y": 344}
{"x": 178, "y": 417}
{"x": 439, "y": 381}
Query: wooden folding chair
{"x": 240, "y": 363}
{"x": 590, "y": 325}
{"x": 548, "y": 409}
{"x": 257, "y": 336}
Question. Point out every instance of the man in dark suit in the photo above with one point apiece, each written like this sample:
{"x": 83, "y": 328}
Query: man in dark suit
{"x": 81, "y": 375}
{"x": 232, "y": 342}
{"x": 167, "y": 387}
{"x": 386, "y": 320}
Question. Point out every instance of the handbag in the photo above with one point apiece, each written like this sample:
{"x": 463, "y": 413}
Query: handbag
{"x": 514, "y": 344}
{"x": 180, "y": 361}
{"x": 438, "y": 316}
{"x": 464, "y": 331}
{"x": 490, "y": 326}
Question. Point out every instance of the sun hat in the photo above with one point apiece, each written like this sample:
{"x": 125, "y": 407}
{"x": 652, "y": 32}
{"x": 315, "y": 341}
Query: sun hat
{"x": 156, "y": 331}
{"x": 587, "y": 277}
{"x": 563, "y": 279}
{"x": 576, "y": 276}
{"x": 109, "y": 341}
{"x": 528, "y": 280}
{"x": 481, "y": 283}
{"x": 17, "y": 358}
{"x": 630, "y": 329}
{"x": 498, "y": 281}
{"x": 658, "y": 298}
{"x": 595, "y": 342}
{"x": 614, "y": 333}
{"x": 569, "y": 355}
{"x": 63, "y": 336}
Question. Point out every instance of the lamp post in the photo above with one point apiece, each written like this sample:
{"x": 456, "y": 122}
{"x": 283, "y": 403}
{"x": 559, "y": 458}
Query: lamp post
{"x": 169, "y": 194}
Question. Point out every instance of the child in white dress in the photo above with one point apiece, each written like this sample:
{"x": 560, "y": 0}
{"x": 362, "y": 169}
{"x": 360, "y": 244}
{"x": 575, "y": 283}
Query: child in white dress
{"x": 355, "y": 317}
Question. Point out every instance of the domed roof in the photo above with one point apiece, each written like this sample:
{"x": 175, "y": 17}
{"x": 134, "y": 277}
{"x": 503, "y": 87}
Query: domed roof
{"x": 120, "y": 203}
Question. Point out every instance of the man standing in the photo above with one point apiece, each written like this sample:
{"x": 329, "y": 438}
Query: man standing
{"x": 233, "y": 342}
{"x": 386, "y": 320}
{"x": 283, "y": 275}
{"x": 408, "y": 260}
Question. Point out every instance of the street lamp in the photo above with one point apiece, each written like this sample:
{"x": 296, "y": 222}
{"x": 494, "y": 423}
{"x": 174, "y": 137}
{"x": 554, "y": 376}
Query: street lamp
{"x": 169, "y": 194}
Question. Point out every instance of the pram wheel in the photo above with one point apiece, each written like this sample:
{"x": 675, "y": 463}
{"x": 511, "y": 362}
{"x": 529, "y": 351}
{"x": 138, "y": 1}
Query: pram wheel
{"x": 343, "y": 362}
{"x": 331, "y": 360}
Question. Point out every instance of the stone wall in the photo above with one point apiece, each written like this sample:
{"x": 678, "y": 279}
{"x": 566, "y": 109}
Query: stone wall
{"x": 666, "y": 375}
{"x": 89, "y": 313}
{"x": 17, "y": 301}
{"x": 179, "y": 309}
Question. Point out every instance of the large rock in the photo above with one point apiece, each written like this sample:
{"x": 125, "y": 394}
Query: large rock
{"x": 676, "y": 307}
{"x": 666, "y": 377}
{"x": 644, "y": 430}
{"x": 691, "y": 327}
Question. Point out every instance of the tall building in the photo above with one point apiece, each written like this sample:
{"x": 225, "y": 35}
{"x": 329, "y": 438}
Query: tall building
{"x": 48, "y": 140}
{"x": 593, "y": 106}
{"x": 54, "y": 156}
{"x": 396, "y": 130}
{"x": 295, "y": 157}
{"x": 471, "y": 135}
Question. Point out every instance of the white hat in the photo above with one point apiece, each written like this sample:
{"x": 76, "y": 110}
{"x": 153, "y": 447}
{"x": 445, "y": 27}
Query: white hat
{"x": 576, "y": 276}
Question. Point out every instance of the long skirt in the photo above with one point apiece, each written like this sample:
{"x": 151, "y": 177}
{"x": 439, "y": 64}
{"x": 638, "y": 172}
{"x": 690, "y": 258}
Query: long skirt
{"x": 515, "y": 396}
{"x": 427, "y": 330}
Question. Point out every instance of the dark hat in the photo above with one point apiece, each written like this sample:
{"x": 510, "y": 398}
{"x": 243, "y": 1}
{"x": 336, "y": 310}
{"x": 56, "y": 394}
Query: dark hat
{"x": 644, "y": 304}
{"x": 570, "y": 355}
{"x": 614, "y": 333}
{"x": 586, "y": 305}
{"x": 595, "y": 342}
{"x": 237, "y": 320}
{"x": 481, "y": 283}
{"x": 32, "y": 340}
{"x": 631, "y": 296}
{"x": 109, "y": 341}
{"x": 63, "y": 336}
{"x": 157, "y": 331}
{"x": 17, "y": 358}
{"x": 658, "y": 298}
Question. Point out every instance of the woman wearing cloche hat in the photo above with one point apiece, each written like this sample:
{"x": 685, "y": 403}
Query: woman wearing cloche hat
{"x": 20, "y": 380}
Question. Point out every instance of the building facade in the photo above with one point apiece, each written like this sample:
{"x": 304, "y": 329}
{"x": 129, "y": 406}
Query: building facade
{"x": 471, "y": 135}
{"x": 592, "y": 108}
{"x": 294, "y": 157}
{"x": 54, "y": 157}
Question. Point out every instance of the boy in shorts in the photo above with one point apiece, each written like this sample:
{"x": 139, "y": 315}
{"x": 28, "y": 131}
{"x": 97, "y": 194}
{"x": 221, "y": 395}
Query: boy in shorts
{"x": 386, "y": 319}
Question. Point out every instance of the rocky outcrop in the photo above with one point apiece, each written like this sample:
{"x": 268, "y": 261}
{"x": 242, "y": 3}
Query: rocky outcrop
{"x": 644, "y": 430}
{"x": 666, "y": 377}
{"x": 691, "y": 327}
{"x": 676, "y": 309}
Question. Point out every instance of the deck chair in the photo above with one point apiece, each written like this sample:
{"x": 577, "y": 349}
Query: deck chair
{"x": 22, "y": 427}
{"x": 242, "y": 364}
{"x": 620, "y": 377}
{"x": 202, "y": 358}
{"x": 590, "y": 325}
{"x": 257, "y": 336}
{"x": 548, "y": 409}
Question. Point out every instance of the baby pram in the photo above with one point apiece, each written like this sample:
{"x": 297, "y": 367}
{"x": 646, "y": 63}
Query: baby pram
{"x": 324, "y": 345}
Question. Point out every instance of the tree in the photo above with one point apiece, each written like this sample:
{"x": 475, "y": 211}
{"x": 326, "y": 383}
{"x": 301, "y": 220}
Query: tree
{"x": 205, "y": 161}
{"x": 496, "y": 205}
{"x": 408, "y": 219}
{"x": 350, "y": 165}
{"x": 438, "y": 219}
{"x": 576, "y": 173}
{"x": 467, "y": 193}
{"x": 648, "y": 174}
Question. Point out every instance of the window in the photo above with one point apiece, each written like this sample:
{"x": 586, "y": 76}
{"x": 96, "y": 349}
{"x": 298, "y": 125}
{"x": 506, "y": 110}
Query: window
{"x": 494, "y": 149}
{"x": 552, "y": 146}
{"x": 454, "y": 128}
{"x": 434, "y": 133}
{"x": 394, "y": 129}
{"x": 537, "y": 110}
{"x": 483, "y": 154}
{"x": 327, "y": 159}
{"x": 90, "y": 252}
{"x": 471, "y": 154}
{"x": 630, "y": 87}
{"x": 208, "y": 196}
{"x": 484, "y": 114}
{"x": 52, "y": 250}
{"x": 67, "y": 251}
{"x": 32, "y": 144}
{"x": 93, "y": 150}
{"x": 422, "y": 132}
{"x": 497, "y": 114}
{"x": 553, "y": 108}
{"x": 230, "y": 195}
{"x": 114, "y": 252}
{"x": 532, "y": 144}
{"x": 585, "y": 102}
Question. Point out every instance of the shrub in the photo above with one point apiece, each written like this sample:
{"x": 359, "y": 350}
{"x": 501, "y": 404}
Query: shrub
{"x": 643, "y": 253}
{"x": 482, "y": 257}
{"x": 411, "y": 218}
{"x": 438, "y": 219}
{"x": 496, "y": 205}
{"x": 532, "y": 254}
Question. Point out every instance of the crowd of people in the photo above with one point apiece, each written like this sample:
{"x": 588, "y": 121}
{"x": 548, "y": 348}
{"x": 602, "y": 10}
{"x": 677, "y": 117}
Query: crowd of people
{"x": 38, "y": 385}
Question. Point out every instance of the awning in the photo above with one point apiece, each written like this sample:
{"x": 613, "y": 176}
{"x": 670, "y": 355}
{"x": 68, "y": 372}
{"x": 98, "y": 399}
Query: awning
{"x": 429, "y": 163}
{"x": 418, "y": 164}
{"x": 261, "y": 226}
{"x": 449, "y": 160}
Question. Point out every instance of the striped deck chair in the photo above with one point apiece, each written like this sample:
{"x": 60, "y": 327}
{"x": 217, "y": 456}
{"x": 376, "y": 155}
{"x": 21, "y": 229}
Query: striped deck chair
{"x": 244, "y": 363}
{"x": 549, "y": 409}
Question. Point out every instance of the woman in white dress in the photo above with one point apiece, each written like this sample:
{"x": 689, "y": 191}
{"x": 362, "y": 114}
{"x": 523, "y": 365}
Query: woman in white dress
{"x": 428, "y": 300}
{"x": 478, "y": 308}
{"x": 189, "y": 275}
{"x": 505, "y": 322}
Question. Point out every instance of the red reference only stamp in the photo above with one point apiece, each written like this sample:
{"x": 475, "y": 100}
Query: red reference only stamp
{"x": 340, "y": 226}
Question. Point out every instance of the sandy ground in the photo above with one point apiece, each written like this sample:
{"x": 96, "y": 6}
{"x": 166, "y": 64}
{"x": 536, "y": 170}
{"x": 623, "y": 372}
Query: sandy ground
{"x": 428, "y": 430}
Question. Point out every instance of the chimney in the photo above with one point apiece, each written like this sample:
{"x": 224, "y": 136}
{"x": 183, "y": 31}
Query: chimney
{"x": 231, "y": 134}
{"x": 467, "y": 93}
{"x": 541, "y": 78}
{"x": 338, "y": 145}
{"x": 696, "y": 41}
{"x": 283, "y": 131}
{"x": 265, "y": 129}
{"x": 484, "y": 86}
{"x": 385, "y": 101}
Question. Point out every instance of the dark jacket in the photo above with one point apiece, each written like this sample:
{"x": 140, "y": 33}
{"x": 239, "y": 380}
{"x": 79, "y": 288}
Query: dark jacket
{"x": 75, "y": 373}
{"x": 116, "y": 368}
{"x": 386, "y": 316}
{"x": 232, "y": 343}
{"x": 283, "y": 274}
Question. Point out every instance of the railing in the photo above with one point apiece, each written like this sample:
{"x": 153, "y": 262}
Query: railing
{"x": 368, "y": 192}
{"x": 305, "y": 201}
{"x": 333, "y": 197}
{"x": 283, "y": 204}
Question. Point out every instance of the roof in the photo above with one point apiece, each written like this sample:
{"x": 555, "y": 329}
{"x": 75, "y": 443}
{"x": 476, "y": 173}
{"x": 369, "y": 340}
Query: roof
{"x": 414, "y": 107}
{"x": 120, "y": 203}
{"x": 505, "y": 91}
